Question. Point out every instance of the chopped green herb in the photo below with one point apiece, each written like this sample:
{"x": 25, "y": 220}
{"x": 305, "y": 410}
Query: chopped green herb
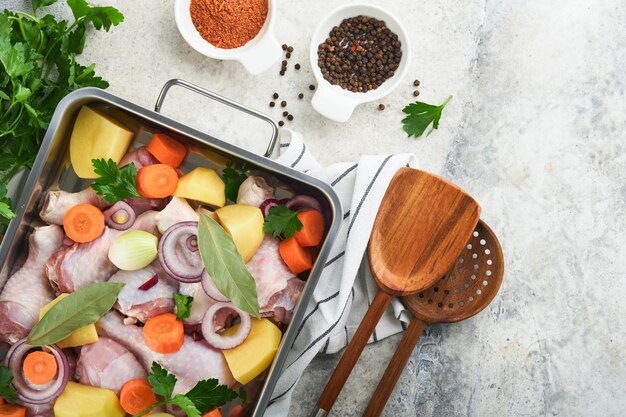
{"x": 234, "y": 175}
{"x": 6, "y": 390}
{"x": 183, "y": 306}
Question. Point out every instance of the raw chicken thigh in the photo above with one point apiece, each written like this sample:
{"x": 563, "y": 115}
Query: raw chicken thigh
{"x": 27, "y": 291}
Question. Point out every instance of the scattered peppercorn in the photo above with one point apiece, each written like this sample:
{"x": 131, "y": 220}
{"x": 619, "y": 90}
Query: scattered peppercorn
{"x": 272, "y": 104}
{"x": 281, "y": 123}
{"x": 297, "y": 66}
{"x": 381, "y": 107}
{"x": 285, "y": 113}
{"x": 283, "y": 103}
{"x": 282, "y": 72}
{"x": 416, "y": 93}
{"x": 311, "y": 87}
{"x": 275, "y": 96}
{"x": 290, "y": 49}
{"x": 290, "y": 117}
{"x": 288, "y": 55}
{"x": 359, "y": 54}
{"x": 284, "y": 63}
{"x": 300, "y": 96}
{"x": 416, "y": 83}
{"x": 284, "y": 46}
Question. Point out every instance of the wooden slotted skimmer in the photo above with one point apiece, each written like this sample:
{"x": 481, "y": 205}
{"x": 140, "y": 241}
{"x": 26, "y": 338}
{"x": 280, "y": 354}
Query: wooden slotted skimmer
{"x": 464, "y": 291}
{"x": 422, "y": 225}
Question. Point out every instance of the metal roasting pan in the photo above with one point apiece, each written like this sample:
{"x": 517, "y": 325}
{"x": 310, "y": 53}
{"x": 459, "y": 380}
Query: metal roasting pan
{"x": 50, "y": 170}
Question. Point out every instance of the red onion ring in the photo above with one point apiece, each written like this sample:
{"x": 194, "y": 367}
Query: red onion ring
{"x": 177, "y": 258}
{"x": 303, "y": 202}
{"x": 30, "y": 393}
{"x": 120, "y": 216}
{"x": 141, "y": 205}
{"x": 225, "y": 342}
{"x": 267, "y": 205}
{"x": 210, "y": 289}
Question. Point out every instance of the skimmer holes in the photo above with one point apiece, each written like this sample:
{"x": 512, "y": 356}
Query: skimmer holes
{"x": 439, "y": 305}
{"x": 475, "y": 233}
{"x": 489, "y": 262}
{"x": 450, "y": 305}
{"x": 470, "y": 299}
{"x": 488, "y": 273}
{"x": 469, "y": 246}
{"x": 478, "y": 292}
{"x": 474, "y": 255}
{"x": 461, "y": 303}
{"x": 487, "y": 252}
{"x": 473, "y": 277}
{"x": 476, "y": 266}
{"x": 483, "y": 242}
{"x": 457, "y": 291}
{"x": 466, "y": 285}
{"x": 485, "y": 283}
{"x": 421, "y": 295}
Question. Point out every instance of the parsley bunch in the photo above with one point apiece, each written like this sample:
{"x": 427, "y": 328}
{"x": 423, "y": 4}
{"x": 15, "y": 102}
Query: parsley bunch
{"x": 38, "y": 68}
{"x": 206, "y": 395}
{"x": 114, "y": 184}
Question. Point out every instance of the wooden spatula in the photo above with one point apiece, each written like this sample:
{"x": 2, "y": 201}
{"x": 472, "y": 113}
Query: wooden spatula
{"x": 422, "y": 225}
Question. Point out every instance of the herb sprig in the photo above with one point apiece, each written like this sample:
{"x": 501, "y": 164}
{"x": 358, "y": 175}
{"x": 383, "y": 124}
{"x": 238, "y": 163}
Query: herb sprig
{"x": 420, "y": 116}
{"x": 38, "y": 67}
{"x": 281, "y": 221}
{"x": 206, "y": 395}
{"x": 234, "y": 175}
{"x": 115, "y": 183}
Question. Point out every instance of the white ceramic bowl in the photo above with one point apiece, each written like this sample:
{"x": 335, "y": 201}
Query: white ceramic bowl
{"x": 257, "y": 55}
{"x": 333, "y": 101}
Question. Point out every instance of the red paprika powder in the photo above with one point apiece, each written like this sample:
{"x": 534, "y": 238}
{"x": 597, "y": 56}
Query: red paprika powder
{"x": 228, "y": 24}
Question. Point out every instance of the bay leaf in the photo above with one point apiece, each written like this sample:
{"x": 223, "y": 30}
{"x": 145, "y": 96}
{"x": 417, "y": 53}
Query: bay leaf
{"x": 79, "y": 309}
{"x": 225, "y": 265}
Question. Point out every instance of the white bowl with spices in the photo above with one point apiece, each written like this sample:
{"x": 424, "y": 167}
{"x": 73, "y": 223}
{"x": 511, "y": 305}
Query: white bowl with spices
{"x": 335, "y": 102}
{"x": 229, "y": 26}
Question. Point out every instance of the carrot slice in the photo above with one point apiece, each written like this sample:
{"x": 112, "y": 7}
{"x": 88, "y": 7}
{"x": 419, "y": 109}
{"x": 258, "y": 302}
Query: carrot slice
{"x": 83, "y": 223}
{"x": 12, "y": 410}
{"x": 136, "y": 395}
{"x": 166, "y": 150}
{"x": 295, "y": 256}
{"x": 312, "y": 228}
{"x": 157, "y": 181}
{"x": 213, "y": 413}
{"x": 164, "y": 334}
{"x": 236, "y": 412}
{"x": 39, "y": 367}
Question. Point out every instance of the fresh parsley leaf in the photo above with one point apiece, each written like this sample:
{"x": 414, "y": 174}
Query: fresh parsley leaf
{"x": 281, "y": 221}
{"x": 115, "y": 183}
{"x": 234, "y": 175}
{"x": 183, "y": 306}
{"x": 186, "y": 405}
{"x": 162, "y": 382}
{"x": 42, "y": 3}
{"x": 420, "y": 116}
{"x": 100, "y": 17}
{"x": 6, "y": 390}
{"x": 208, "y": 394}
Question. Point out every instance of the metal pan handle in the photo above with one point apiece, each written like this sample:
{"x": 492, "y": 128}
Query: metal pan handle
{"x": 223, "y": 100}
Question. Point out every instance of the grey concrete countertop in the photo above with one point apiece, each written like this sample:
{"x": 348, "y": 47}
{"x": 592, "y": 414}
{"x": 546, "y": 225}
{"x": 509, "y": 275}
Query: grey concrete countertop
{"x": 536, "y": 132}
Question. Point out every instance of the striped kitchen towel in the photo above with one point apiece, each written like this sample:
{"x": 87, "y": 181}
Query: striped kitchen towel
{"x": 346, "y": 287}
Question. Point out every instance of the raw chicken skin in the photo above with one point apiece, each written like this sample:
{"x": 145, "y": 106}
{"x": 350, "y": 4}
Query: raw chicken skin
{"x": 143, "y": 304}
{"x": 108, "y": 364}
{"x": 177, "y": 210}
{"x": 254, "y": 191}
{"x": 195, "y": 361}
{"x": 28, "y": 290}
{"x": 57, "y": 203}
{"x": 201, "y": 302}
{"x": 282, "y": 304}
{"x": 82, "y": 264}
{"x": 272, "y": 276}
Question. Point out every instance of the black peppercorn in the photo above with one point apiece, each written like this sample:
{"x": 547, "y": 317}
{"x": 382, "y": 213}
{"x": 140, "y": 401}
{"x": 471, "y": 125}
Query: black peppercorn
{"x": 281, "y": 123}
{"x": 381, "y": 107}
{"x": 290, "y": 117}
{"x": 285, "y": 113}
{"x": 275, "y": 96}
{"x": 288, "y": 55}
{"x": 311, "y": 87}
{"x": 416, "y": 83}
{"x": 297, "y": 66}
{"x": 284, "y": 47}
{"x": 282, "y": 72}
{"x": 290, "y": 49}
{"x": 300, "y": 96}
{"x": 284, "y": 63}
{"x": 283, "y": 103}
{"x": 416, "y": 93}
{"x": 272, "y": 104}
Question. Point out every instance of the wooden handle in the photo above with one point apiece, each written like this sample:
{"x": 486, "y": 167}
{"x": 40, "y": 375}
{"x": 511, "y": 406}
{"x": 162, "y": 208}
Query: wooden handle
{"x": 353, "y": 351}
{"x": 395, "y": 368}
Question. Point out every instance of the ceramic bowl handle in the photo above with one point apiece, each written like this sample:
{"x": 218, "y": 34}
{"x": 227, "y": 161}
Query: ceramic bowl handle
{"x": 262, "y": 56}
{"x": 331, "y": 104}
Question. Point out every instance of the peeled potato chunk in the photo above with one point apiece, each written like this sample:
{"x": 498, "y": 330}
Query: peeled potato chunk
{"x": 79, "y": 400}
{"x": 245, "y": 225}
{"x": 96, "y": 136}
{"x": 256, "y": 353}
{"x": 204, "y": 185}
